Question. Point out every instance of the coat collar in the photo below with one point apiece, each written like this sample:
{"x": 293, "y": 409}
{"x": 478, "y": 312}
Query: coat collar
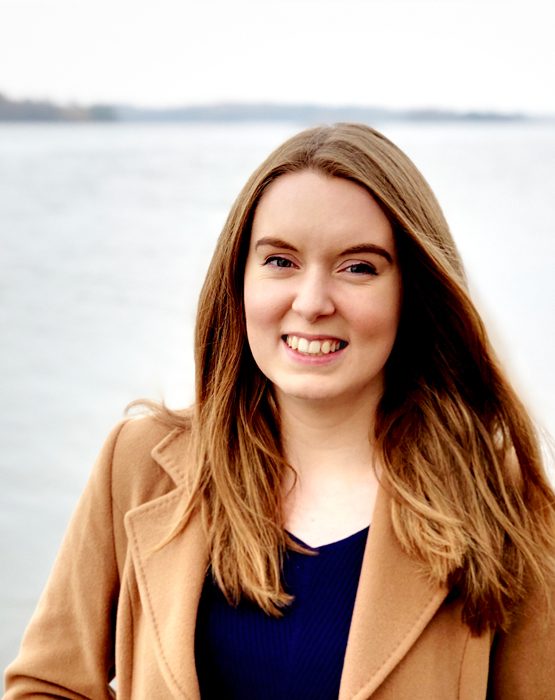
{"x": 170, "y": 577}
{"x": 393, "y": 605}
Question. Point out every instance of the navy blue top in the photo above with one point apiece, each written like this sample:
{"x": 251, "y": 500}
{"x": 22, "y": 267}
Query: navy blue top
{"x": 244, "y": 654}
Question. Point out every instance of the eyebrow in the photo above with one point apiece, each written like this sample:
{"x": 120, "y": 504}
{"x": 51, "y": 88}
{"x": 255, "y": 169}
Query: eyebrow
{"x": 369, "y": 248}
{"x": 360, "y": 248}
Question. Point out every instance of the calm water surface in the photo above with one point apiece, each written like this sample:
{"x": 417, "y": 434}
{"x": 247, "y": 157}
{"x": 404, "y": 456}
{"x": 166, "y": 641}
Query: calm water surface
{"x": 105, "y": 235}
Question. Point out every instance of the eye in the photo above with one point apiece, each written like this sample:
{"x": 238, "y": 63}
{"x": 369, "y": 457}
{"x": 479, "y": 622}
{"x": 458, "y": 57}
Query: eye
{"x": 361, "y": 268}
{"x": 278, "y": 261}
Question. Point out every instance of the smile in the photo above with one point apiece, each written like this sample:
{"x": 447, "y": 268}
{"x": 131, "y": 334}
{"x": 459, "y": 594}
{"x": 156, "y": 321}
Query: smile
{"x": 323, "y": 346}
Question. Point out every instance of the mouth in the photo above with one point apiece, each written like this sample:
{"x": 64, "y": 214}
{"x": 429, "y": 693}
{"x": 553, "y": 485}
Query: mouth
{"x": 315, "y": 346}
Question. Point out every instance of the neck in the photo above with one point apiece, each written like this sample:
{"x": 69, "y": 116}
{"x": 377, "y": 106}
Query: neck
{"x": 330, "y": 448}
{"x": 327, "y": 438}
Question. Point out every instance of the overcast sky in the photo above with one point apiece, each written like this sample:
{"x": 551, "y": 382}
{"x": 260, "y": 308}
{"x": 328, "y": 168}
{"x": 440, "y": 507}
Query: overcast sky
{"x": 463, "y": 54}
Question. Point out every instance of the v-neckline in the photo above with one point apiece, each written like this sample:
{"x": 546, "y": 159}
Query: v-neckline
{"x": 326, "y": 545}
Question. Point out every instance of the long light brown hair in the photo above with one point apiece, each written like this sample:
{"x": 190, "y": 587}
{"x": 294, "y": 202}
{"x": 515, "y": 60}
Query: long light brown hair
{"x": 470, "y": 498}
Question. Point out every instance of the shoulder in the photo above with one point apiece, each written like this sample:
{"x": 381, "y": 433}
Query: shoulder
{"x": 147, "y": 458}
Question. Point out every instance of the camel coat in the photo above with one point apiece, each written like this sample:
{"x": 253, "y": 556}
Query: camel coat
{"x": 115, "y": 603}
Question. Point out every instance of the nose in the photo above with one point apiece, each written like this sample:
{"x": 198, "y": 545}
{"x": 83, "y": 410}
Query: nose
{"x": 313, "y": 296}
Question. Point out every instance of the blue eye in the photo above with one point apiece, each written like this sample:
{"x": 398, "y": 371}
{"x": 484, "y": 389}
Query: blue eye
{"x": 278, "y": 261}
{"x": 361, "y": 268}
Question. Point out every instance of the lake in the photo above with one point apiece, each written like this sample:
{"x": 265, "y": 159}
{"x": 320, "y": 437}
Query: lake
{"x": 106, "y": 231}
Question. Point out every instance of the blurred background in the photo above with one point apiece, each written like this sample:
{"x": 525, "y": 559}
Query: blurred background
{"x": 128, "y": 128}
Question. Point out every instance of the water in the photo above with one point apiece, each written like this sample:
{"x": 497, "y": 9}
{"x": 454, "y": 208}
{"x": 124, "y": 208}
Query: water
{"x": 105, "y": 235}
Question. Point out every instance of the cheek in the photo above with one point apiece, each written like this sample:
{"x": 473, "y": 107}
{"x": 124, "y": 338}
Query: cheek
{"x": 380, "y": 318}
{"x": 263, "y": 307}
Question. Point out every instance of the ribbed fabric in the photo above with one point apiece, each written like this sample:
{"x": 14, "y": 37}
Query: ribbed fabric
{"x": 244, "y": 654}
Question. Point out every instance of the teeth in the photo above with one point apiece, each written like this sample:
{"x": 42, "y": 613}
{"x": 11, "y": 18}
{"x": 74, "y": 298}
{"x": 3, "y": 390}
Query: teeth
{"x": 313, "y": 347}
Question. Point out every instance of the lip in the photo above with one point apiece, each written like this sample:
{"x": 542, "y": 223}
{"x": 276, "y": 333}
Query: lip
{"x": 311, "y": 336}
{"x": 314, "y": 360}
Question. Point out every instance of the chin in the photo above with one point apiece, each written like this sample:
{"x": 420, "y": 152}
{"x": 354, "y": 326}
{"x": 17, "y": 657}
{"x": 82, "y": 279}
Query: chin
{"x": 320, "y": 392}
{"x": 313, "y": 392}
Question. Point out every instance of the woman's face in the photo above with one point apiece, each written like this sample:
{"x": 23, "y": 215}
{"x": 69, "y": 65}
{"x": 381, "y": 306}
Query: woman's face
{"x": 322, "y": 289}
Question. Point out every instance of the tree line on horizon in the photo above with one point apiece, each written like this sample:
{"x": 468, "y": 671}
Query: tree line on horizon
{"x": 43, "y": 110}
{"x": 46, "y": 111}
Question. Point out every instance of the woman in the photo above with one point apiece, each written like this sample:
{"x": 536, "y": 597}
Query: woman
{"x": 357, "y": 476}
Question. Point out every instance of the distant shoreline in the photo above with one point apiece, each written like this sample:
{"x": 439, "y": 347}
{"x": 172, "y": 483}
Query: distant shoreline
{"x": 45, "y": 111}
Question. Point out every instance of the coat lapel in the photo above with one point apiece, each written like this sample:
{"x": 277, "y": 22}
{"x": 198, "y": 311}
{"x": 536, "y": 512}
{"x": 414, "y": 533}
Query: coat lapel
{"x": 393, "y": 605}
{"x": 170, "y": 578}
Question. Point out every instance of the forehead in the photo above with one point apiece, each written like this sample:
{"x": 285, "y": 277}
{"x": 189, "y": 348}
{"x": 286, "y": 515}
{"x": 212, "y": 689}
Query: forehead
{"x": 310, "y": 207}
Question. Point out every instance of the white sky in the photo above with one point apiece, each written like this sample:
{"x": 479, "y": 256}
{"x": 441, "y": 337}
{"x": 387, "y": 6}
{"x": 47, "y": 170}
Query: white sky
{"x": 462, "y": 54}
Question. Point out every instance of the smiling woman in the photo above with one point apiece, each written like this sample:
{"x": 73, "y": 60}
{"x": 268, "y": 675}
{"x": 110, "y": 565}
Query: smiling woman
{"x": 354, "y": 507}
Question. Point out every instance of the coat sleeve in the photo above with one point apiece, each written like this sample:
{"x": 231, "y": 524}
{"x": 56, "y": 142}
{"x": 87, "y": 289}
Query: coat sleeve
{"x": 68, "y": 648}
{"x": 523, "y": 660}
